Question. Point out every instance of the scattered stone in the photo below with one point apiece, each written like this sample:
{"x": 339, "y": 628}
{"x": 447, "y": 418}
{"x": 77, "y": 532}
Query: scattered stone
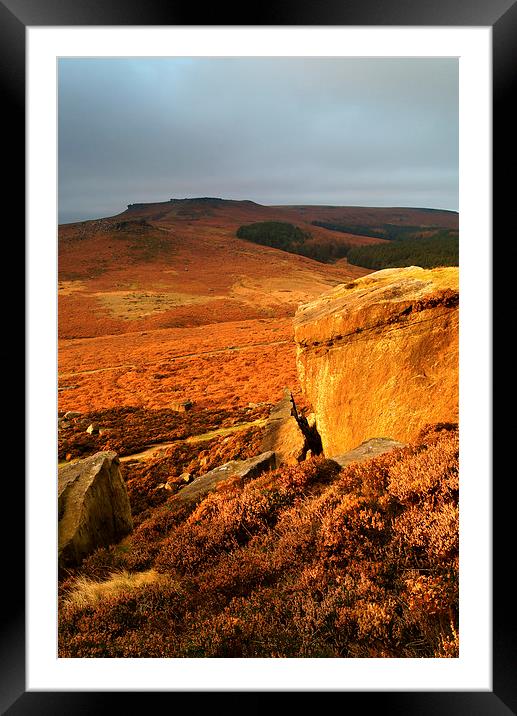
{"x": 93, "y": 507}
{"x": 366, "y": 450}
{"x": 165, "y": 486}
{"x": 181, "y": 406}
{"x": 241, "y": 470}
{"x": 105, "y": 431}
{"x": 72, "y": 414}
{"x": 93, "y": 429}
{"x": 174, "y": 482}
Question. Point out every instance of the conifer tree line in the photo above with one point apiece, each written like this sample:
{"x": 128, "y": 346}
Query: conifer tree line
{"x": 423, "y": 246}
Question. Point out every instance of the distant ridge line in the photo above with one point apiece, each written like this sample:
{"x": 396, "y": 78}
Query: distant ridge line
{"x": 194, "y": 200}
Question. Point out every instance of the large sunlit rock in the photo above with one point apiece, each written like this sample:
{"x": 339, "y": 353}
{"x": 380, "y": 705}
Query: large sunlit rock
{"x": 379, "y": 355}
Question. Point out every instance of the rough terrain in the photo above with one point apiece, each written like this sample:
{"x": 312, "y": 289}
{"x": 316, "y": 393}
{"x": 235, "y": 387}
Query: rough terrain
{"x": 164, "y": 303}
{"x": 291, "y": 490}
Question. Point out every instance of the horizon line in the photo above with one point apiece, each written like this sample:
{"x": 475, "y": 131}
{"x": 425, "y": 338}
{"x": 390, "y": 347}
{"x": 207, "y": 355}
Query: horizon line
{"x": 251, "y": 201}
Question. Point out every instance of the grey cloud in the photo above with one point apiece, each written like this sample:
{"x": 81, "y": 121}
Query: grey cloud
{"x": 275, "y": 130}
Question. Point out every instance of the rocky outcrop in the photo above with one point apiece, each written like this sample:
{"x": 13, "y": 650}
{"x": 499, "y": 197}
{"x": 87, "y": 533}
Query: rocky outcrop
{"x": 367, "y": 450}
{"x": 282, "y": 434}
{"x": 240, "y": 470}
{"x": 93, "y": 507}
{"x": 379, "y": 355}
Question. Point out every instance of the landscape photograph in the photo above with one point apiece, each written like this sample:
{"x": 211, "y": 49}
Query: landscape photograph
{"x": 258, "y": 377}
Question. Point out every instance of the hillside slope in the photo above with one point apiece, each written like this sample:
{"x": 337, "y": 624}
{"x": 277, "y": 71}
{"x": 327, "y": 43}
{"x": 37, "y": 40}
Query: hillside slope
{"x": 179, "y": 264}
{"x": 163, "y": 302}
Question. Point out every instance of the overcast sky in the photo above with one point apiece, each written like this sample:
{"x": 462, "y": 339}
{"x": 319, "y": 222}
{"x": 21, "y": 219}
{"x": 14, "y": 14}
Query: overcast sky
{"x": 368, "y": 132}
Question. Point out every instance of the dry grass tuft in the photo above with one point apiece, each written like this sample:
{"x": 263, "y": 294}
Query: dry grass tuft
{"x": 88, "y": 593}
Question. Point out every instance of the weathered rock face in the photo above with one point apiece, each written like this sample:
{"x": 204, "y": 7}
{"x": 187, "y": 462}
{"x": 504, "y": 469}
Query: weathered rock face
{"x": 242, "y": 470}
{"x": 93, "y": 507}
{"x": 282, "y": 434}
{"x": 379, "y": 355}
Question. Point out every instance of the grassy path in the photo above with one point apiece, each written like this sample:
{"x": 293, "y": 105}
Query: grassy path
{"x": 155, "y": 448}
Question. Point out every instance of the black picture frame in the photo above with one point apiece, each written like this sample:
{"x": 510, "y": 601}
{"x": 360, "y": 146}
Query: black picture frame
{"x": 15, "y": 17}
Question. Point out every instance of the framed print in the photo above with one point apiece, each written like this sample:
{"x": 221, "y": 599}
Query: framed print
{"x": 195, "y": 171}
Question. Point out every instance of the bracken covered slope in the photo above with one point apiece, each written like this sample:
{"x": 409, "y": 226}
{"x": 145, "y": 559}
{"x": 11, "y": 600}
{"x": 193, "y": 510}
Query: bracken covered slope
{"x": 164, "y": 303}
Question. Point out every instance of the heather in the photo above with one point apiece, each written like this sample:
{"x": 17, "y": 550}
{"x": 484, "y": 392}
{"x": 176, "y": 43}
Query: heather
{"x": 304, "y": 561}
{"x": 130, "y": 429}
